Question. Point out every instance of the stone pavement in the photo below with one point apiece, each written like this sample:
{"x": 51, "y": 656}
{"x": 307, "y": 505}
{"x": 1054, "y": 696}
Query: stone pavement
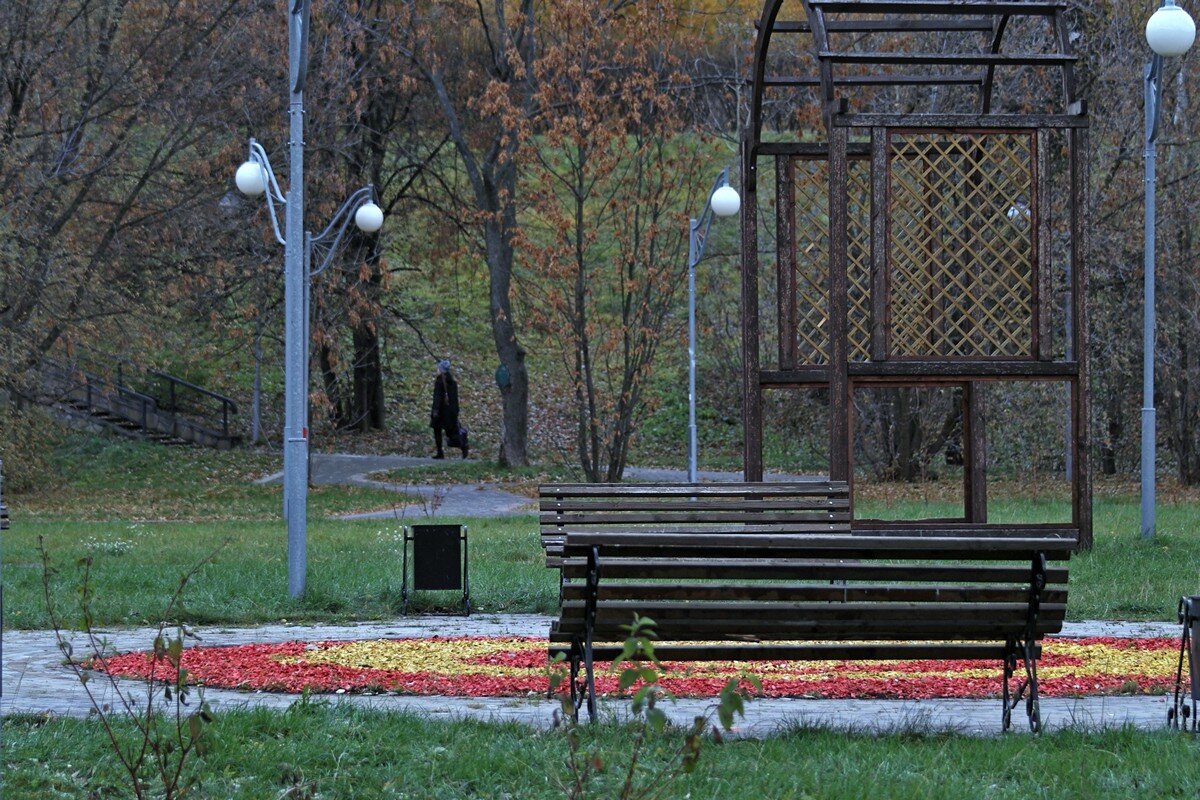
{"x": 35, "y": 681}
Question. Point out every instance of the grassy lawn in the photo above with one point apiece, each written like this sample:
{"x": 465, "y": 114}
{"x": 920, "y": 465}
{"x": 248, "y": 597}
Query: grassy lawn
{"x": 106, "y": 479}
{"x": 320, "y": 751}
{"x": 146, "y": 514}
{"x": 353, "y": 567}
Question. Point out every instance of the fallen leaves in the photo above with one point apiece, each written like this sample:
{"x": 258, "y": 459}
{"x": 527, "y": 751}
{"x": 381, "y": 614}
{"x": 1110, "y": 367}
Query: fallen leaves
{"x": 517, "y": 666}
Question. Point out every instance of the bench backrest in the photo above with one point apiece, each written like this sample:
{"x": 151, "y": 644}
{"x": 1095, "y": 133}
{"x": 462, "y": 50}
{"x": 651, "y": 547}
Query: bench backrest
{"x": 813, "y": 506}
{"x": 942, "y": 586}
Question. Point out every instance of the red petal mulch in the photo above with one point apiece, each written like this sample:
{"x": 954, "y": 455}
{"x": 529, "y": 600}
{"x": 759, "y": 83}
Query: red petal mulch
{"x": 516, "y": 666}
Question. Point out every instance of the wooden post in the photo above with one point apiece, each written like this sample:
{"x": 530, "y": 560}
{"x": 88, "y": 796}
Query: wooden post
{"x": 879, "y": 244}
{"x": 1080, "y": 393}
{"x": 752, "y": 466}
{"x": 839, "y": 379}
{"x": 974, "y": 454}
{"x": 1041, "y": 220}
{"x": 785, "y": 239}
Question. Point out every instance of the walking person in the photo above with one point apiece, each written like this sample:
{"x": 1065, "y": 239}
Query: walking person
{"x": 443, "y": 416}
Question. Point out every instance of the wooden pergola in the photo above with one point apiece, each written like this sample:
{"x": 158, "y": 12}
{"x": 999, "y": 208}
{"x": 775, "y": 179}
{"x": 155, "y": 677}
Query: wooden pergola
{"x": 930, "y": 217}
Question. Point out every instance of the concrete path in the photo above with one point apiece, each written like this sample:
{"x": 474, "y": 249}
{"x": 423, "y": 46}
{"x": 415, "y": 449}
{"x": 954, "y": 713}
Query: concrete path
{"x": 453, "y": 500}
{"x": 457, "y": 500}
{"x": 35, "y": 681}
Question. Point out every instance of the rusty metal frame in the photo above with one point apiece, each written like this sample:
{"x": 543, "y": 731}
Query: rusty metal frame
{"x": 856, "y": 46}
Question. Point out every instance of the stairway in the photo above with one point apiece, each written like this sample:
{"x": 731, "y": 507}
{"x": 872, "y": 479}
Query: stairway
{"x": 115, "y": 395}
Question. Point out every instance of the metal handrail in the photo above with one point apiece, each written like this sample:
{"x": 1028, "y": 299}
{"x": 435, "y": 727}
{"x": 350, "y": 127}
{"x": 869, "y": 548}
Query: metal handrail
{"x": 228, "y": 406}
{"x": 149, "y": 403}
{"x": 169, "y": 403}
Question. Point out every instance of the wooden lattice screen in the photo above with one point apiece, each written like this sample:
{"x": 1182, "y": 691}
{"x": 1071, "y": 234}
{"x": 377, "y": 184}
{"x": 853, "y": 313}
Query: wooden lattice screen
{"x": 930, "y": 230}
{"x": 960, "y": 246}
{"x": 812, "y": 264}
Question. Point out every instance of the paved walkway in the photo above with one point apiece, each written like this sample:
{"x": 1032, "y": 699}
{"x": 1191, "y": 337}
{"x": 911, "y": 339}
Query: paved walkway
{"x": 456, "y": 500}
{"x": 35, "y": 681}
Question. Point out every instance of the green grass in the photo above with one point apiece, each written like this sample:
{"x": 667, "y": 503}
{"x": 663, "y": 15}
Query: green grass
{"x": 107, "y": 479}
{"x": 354, "y": 568}
{"x": 354, "y": 571}
{"x": 159, "y": 511}
{"x": 319, "y": 751}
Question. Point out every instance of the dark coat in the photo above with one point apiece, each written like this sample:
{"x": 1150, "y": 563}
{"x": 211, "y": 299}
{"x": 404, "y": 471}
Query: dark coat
{"x": 444, "y": 413}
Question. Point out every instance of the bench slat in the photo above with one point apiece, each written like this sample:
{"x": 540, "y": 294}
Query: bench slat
{"x": 618, "y": 507}
{"x": 711, "y": 524}
{"x": 796, "y": 593}
{"x": 796, "y": 611}
{"x": 804, "y": 569}
{"x": 733, "y": 546}
{"x": 667, "y": 651}
{"x": 719, "y": 629}
{"x": 814, "y": 488}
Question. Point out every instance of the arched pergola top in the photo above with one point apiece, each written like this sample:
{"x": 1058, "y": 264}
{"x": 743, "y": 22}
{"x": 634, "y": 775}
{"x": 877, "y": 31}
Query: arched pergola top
{"x": 857, "y": 47}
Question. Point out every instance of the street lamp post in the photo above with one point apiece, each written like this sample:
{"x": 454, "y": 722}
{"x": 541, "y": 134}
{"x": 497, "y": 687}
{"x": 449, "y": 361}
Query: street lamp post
{"x": 723, "y": 201}
{"x": 1169, "y": 32}
{"x": 255, "y": 177}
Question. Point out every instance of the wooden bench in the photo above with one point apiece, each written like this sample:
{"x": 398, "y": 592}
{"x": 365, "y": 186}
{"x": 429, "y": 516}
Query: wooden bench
{"x": 744, "y": 572}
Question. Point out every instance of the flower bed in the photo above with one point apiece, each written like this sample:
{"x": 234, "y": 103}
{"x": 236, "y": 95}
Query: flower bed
{"x": 515, "y": 666}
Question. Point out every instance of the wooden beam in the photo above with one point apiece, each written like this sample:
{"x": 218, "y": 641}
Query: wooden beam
{"x": 811, "y": 150}
{"x": 946, "y": 59}
{"x": 752, "y": 466}
{"x": 787, "y": 311}
{"x": 1006, "y": 122}
{"x": 879, "y": 244}
{"x": 839, "y": 383}
{"x": 966, "y": 368}
{"x": 952, "y": 8}
{"x": 1041, "y": 219}
{"x": 776, "y": 81}
{"x": 891, "y": 25}
{"x": 974, "y": 453}
{"x": 800, "y": 376}
{"x": 1080, "y": 394}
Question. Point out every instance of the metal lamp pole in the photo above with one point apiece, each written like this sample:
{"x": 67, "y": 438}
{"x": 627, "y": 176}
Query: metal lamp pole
{"x": 723, "y": 201}
{"x": 1169, "y": 32}
{"x": 255, "y": 177}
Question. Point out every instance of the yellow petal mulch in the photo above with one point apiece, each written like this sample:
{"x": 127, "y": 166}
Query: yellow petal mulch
{"x": 513, "y": 666}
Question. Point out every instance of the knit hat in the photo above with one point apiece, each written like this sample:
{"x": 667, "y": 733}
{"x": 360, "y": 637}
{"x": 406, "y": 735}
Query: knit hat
{"x": 444, "y": 365}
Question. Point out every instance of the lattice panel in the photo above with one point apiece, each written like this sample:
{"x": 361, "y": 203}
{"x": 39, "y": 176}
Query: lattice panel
{"x": 960, "y": 244}
{"x": 858, "y": 260}
{"x": 812, "y": 261}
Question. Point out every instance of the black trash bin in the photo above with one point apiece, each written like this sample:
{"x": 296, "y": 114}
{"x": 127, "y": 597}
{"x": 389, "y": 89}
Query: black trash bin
{"x": 439, "y": 561}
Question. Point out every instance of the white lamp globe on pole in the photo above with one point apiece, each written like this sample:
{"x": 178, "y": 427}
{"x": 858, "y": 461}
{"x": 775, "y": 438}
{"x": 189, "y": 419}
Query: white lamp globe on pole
{"x": 726, "y": 202}
{"x": 1170, "y": 31}
{"x": 250, "y": 179}
{"x": 368, "y": 218}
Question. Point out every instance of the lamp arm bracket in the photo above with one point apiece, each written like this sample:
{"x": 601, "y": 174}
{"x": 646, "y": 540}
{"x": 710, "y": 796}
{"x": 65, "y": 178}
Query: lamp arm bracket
{"x": 1153, "y": 98}
{"x": 273, "y": 193}
{"x": 337, "y": 226}
{"x": 704, "y": 221}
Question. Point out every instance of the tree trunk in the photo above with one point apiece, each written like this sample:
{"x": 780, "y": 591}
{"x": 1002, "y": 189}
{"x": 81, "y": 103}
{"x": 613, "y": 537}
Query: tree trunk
{"x": 514, "y": 429}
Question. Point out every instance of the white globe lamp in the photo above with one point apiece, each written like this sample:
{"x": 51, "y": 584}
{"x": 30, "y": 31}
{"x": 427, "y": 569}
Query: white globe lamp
{"x": 725, "y": 201}
{"x": 250, "y": 180}
{"x": 368, "y": 218}
{"x": 1170, "y": 31}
